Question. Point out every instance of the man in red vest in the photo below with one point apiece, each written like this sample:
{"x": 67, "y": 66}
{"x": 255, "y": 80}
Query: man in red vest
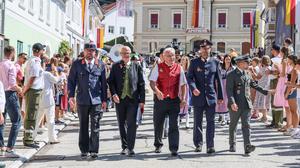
{"x": 166, "y": 80}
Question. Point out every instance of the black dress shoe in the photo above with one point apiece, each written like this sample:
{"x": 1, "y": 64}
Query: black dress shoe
{"x": 249, "y": 149}
{"x": 270, "y": 126}
{"x": 123, "y": 152}
{"x": 131, "y": 153}
{"x": 211, "y": 150}
{"x": 198, "y": 149}
{"x": 84, "y": 156}
{"x": 94, "y": 155}
{"x": 32, "y": 145}
{"x": 232, "y": 148}
{"x": 157, "y": 150}
{"x": 174, "y": 153}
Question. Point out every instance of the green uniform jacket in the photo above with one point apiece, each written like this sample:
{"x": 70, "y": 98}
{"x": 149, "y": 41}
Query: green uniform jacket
{"x": 238, "y": 89}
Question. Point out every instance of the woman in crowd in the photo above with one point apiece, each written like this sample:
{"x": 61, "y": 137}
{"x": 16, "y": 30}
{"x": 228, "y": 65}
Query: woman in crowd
{"x": 185, "y": 111}
{"x": 254, "y": 69}
{"x": 291, "y": 95}
{"x": 262, "y": 102}
{"x": 279, "y": 97}
{"x": 222, "y": 109}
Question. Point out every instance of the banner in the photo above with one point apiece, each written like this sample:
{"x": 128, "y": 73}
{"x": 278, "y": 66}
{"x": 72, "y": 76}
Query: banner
{"x": 290, "y": 12}
{"x": 282, "y": 30}
{"x": 297, "y": 15}
{"x": 85, "y": 17}
{"x": 100, "y": 37}
{"x": 197, "y": 14}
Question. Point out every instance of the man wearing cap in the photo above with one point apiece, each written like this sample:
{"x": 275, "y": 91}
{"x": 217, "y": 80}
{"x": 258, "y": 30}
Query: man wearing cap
{"x": 87, "y": 76}
{"x": 277, "y": 112}
{"x": 203, "y": 77}
{"x": 238, "y": 87}
{"x": 127, "y": 85}
{"x": 33, "y": 86}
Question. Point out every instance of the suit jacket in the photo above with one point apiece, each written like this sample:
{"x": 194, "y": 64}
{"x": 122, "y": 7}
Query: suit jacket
{"x": 238, "y": 89}
{"x": 91, "y": 84}
{"x": 136, "y": 80}
{"x": 206, "y": 77}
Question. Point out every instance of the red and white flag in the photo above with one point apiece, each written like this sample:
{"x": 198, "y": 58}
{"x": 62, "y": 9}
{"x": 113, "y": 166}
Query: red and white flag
{"x": 197, "y": 18}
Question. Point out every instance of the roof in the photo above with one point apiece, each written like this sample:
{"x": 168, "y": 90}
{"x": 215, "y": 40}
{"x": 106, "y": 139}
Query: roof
{"x": 108, "y": 7}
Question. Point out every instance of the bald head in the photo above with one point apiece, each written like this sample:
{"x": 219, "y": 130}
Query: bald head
{"x": 125, "y": 53}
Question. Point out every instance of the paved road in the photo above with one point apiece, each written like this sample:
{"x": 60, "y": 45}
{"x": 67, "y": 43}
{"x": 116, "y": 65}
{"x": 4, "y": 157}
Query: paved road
{"x": 273, "y": 149}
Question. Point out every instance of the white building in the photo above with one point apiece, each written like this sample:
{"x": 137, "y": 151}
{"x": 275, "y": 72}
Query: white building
{"x": 116, "y": 26}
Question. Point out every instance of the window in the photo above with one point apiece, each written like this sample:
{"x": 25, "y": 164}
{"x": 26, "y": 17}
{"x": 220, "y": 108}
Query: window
{"x": 154, "y": 19}
{"x": 57, "y": 18}
{"x": 221, "y": 47}
{"x": 62, "y": 25}
{"x": 246, "y": 19}
{"x": 111, "y": 29}
{"x": 152, "y": 47}
{"x": 41, "y": 9}
{"x": 177, "y": 19}
{"x": 19, "y": 47}
{"x": 222, "y": 19}
{"x": 48, "y": 12}
{"x": 21, "y": 4}
{"x": 31, "y": 7}
{"x": 29, "y": 52}
{"x": 122, "y": 30}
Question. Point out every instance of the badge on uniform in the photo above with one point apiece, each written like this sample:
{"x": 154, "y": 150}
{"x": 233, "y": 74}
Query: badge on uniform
{"x": 238, "y": 92}
{"x": 199, "y": 69}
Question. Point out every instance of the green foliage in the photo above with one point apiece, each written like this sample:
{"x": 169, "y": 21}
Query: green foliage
{"x": 64, "y": 48}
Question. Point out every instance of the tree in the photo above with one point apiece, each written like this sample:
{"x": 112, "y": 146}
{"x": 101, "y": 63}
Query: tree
{"x": 64, "y": 48}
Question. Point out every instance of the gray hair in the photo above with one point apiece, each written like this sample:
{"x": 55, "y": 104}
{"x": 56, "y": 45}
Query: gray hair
{"x": 169, "y": 50}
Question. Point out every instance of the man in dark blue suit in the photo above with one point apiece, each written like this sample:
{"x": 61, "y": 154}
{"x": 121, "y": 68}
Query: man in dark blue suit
{"x": 204, "y": 78}
{"x": 87, "y": 77}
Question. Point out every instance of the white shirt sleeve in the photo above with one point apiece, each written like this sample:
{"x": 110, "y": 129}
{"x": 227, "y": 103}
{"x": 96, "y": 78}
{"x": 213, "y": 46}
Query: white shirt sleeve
{"x": 154, "y": 74}
{"x": 183, "y": 80}
{"x": 2, "y": 98}
{"x": 34, "y": 70}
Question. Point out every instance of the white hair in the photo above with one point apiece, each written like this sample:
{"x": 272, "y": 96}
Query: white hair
{"x": 169, "y": 50}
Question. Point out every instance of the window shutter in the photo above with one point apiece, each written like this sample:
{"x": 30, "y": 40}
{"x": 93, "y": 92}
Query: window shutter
{"x": 222, "y": 19}
{"x": 246, "y": 18}
{"x": 154, "y": 19}
{"x": 177, "y": 18}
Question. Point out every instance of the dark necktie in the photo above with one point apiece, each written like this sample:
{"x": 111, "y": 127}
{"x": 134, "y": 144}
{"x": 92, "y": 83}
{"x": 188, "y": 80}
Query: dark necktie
{"x": 90, "y": 67}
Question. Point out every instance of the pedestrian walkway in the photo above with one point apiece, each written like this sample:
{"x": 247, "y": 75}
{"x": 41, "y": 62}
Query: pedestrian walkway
{"x": 273, "y": 149}
{"x": 25, "y": 152}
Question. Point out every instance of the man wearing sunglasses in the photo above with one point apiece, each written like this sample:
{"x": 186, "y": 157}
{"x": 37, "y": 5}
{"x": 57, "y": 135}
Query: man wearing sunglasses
{"x": 203, "y": 77}
{"x": 87, "y": 76}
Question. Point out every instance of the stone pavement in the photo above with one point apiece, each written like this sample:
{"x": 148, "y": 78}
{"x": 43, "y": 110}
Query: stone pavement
{"x": 273, "y": 149}
{"x": 25, "y": 152}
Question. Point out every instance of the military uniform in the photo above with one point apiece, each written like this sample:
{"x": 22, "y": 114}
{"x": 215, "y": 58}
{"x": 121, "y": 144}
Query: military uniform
{"x": 238, "y": 91}
{"x": 204, "y": 75}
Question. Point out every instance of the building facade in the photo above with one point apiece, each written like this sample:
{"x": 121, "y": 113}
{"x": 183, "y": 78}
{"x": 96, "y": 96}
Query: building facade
{"x": 225, "y": 23}
{"x": 31, "y": 21}
{"x": 116, "y": 25}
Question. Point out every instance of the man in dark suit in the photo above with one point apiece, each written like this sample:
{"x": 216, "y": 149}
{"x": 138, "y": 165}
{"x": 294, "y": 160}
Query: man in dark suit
{"x": 127, "y": 86}
{"x": 238, "y": 91}
{"x": 203, "y": 74}
{"x": 87, "y": 77}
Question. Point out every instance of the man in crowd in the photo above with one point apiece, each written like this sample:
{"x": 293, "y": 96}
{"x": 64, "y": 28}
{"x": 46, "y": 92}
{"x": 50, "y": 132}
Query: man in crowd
{"x": 166, "y": 79}
{"x": 239, "y": 102}
{"x": 127, "y": 86}
{"x": 87, "y": 76}
{"x": 32, "y": 89}
{"x": 8, "y": 76}
{"x": 203, "y": 77}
